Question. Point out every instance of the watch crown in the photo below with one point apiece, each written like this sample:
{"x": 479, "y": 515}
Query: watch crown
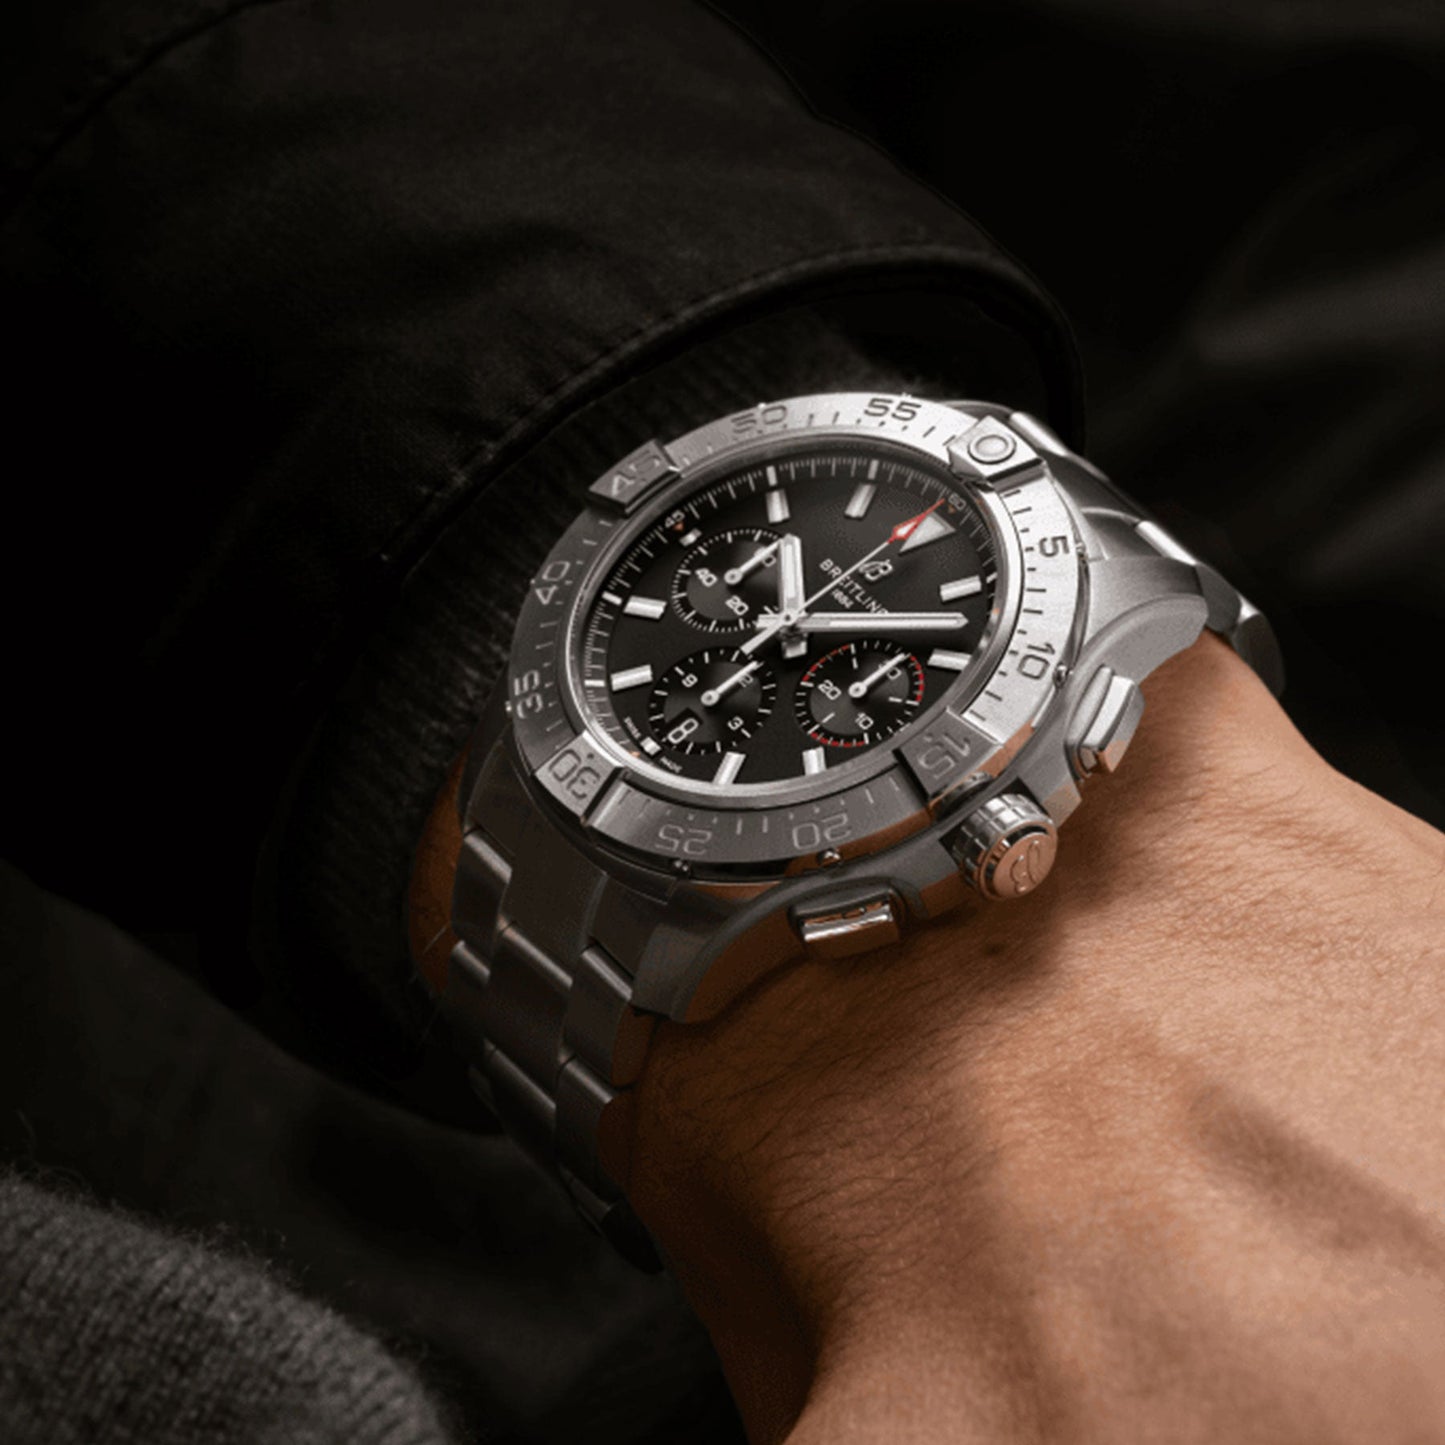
{"x": 1006, "y": 846}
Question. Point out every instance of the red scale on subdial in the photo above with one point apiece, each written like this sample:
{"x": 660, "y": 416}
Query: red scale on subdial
{"x": 859, "y": 693}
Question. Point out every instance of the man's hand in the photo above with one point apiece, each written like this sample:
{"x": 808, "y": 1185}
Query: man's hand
{"x": 1153, "y": 1154}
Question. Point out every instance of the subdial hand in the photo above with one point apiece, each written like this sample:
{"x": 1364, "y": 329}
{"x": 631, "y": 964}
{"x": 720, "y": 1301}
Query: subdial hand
{"x": 861, "y": 688}
{"x": 715, "y": 695}
{"x": 734, "y": 575}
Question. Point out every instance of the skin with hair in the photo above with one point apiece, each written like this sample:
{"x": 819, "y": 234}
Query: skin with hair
{"x": 1153, "y": 1154}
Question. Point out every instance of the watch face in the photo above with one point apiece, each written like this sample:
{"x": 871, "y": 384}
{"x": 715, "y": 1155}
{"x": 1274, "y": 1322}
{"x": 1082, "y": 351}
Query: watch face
{"x": 797, "y": 634}
{"x": 785, "y": 618}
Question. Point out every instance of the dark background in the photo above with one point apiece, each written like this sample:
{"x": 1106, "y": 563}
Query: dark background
{"x": 1241, "y": 209}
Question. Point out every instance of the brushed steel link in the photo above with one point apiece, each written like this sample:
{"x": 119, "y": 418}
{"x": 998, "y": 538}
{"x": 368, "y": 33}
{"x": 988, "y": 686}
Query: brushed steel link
{"x": 525, "y": 1109}
{"x": 601, "y": 1027}
{"x": 466, "y": 985}
{"x": 581, "y": 1098}
{"x": 627, "y": 919}
{"x": 527, "y": 988}
{"x": 481, "y": 880}
{"x": 553, "y": 890}
{"x": 523, "y": 1005}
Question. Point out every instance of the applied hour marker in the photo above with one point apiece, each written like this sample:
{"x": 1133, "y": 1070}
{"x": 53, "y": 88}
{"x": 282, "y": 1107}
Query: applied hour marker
{"x": 778, "y": 509}
{"x": 613, "y": 598}
{"x": 688, "y": 538}
{"x": 651, "y": 747}
{"x": 930, "y": 529}
{"x": 631, "y": 677}
{"x": 950, "y": 661}
{"x": 962, "y": 587}
{"x": 649, "y": 607}
{"x": 861, "y": 499}
{"x": 729, "y": 768}
{"x": 872, "y": 469}
{"x": 814, "y": 760}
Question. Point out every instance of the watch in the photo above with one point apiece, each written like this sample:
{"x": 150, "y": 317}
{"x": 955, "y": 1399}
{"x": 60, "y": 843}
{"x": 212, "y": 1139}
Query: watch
{"x": 790, "y": 685}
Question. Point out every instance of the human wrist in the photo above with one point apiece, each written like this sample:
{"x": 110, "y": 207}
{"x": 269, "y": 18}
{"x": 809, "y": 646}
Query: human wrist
{"x": 829, "y": 1157}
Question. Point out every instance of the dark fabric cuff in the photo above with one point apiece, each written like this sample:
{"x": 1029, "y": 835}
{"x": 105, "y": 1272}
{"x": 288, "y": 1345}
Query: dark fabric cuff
{"x": 337, "y": 895}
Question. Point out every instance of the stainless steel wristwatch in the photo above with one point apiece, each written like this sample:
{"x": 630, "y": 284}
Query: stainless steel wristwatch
{"x": 790, "y": 685}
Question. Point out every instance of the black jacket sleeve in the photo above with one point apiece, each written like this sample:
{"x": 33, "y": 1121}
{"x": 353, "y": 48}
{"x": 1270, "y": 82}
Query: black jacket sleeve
{"x": 288, "y": 282}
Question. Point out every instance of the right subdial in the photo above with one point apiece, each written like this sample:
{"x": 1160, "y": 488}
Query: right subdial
{"x": 859, "y": 693}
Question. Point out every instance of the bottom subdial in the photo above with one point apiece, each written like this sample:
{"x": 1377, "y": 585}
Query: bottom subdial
{"x": 859, "y": 693}
{"x": 711, "y": 700}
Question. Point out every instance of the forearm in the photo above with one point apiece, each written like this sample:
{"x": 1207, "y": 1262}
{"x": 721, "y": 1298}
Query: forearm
{"x": 1154, "y": 1153}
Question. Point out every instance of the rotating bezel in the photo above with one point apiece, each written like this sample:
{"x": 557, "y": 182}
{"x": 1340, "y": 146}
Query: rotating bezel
{"x": 866, "y": 803}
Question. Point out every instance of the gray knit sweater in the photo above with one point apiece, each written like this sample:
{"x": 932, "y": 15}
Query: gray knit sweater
{"x": 113, "y": 1331}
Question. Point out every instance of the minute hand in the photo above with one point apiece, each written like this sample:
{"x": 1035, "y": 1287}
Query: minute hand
{"x": 771, "y": 626}
{"x": 881, "y": 622}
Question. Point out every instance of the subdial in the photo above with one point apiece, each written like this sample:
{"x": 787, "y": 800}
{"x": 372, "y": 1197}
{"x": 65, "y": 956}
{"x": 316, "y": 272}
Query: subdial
{"x": 711, "y": 701}
{"x": 858, "y": 693}
{"x": 727, "y": 579}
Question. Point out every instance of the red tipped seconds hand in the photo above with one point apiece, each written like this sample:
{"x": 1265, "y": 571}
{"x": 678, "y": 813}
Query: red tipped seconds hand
{"x": 900, "y": 533}
{"x": 904, "y": 530}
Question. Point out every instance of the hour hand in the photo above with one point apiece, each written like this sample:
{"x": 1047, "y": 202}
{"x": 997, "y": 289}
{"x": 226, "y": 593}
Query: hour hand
{"x": 882, "y": 622}
{"x": 792, "y": 591}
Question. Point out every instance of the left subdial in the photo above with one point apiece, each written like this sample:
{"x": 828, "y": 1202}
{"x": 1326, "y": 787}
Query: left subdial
{"x": 711, "y": 701}
{"x": 727, "y": 580}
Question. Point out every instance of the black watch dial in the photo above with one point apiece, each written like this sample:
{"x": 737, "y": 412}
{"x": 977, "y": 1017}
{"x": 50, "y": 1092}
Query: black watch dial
{"x": 787, "y": 617}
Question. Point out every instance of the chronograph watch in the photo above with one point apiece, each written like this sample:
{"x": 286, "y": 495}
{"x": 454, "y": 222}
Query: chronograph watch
{"x": 790, "y": 685}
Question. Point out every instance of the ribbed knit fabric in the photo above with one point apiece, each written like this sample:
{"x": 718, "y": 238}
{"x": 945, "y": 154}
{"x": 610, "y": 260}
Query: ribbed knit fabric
{"x": 414, "y": 695}
{"x": 112, "y": 1332}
